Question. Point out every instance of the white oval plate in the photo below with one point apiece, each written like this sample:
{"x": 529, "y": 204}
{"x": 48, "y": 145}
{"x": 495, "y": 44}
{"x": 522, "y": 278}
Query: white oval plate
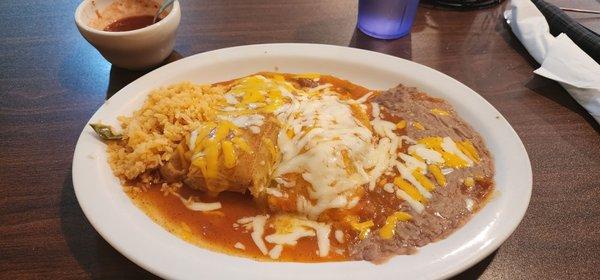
{"x": 147, "y": 244}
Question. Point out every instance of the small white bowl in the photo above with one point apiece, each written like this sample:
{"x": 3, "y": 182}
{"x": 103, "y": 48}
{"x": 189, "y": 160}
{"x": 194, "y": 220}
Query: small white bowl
{"x": 136, "y": 49}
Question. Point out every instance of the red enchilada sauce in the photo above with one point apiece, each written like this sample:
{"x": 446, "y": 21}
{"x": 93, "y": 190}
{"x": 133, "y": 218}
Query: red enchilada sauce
{"x": 131, "y": 23}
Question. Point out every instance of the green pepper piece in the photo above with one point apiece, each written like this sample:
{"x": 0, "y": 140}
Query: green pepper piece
{"x": 105, "y": 131}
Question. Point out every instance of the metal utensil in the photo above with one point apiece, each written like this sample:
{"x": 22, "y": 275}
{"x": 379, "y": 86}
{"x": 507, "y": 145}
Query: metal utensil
{"x": 165, "y": 4}
{"x": 579, "y": 10}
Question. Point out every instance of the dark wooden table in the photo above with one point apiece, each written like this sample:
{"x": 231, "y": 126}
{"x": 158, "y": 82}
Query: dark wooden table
{"x": 52, "y": 80}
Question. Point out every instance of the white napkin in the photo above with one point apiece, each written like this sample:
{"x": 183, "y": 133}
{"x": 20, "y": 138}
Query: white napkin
{"x": 561, "y": 59}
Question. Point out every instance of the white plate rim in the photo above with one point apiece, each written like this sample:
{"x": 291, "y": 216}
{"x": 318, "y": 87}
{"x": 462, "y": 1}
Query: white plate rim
{"x": 88, "y": 186}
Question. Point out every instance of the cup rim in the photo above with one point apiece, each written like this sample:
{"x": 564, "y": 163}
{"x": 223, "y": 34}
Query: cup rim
{"x": 148, "y": 28}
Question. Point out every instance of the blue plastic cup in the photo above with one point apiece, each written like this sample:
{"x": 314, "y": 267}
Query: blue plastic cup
{"x": 386, "y": 19}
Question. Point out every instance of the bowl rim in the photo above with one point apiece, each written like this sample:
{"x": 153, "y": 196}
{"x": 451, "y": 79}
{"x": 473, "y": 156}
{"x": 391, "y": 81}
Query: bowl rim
{"x": 79, "y": 22}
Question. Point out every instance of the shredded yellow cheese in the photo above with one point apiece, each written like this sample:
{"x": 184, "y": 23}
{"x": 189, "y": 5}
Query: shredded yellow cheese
{"x": 401, "y": 124}
{"x": 432, "y": 143}
{"x": 388, "y": 230}
{"x": 468, "y": 149}
{"x": 364, "y": 228}
{"x": 427, "y": 184}
{"x": 258, "y": 94}
{"x": 203, "y": 132}
{"x": 212, "y": 152}
{"x": 409, "y": 189}
{"x": 437, "y": 174}
{"x": 450, "y": 159}
{"x": 229, "y": 156}
{"x": 241, "y": 144}
{"x": 272, "y": 149}
{"x": 223, "y": 130}
{"x": 417, "y": 157}
{"x": 469, "y": 182}
{"x": 418, "y": 125}
{"x": 439, "y": 112}
{"x": 453, "y": 160}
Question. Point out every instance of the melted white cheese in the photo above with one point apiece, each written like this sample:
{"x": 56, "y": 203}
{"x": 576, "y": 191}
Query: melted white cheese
{"x": 290, "y": 238}
{"x": 275, "y": 253}
{"x": 324, "y": 129}
{"x": 323, "y": 243}
{"x": 255, "y": 129}
{"x": 339, "y": 236}
{"x": 193, "y": 137}
{"x": 283, "y": 182}
{"x": 199, "y": 206}
{"x": 230, "y": 99}
{"x": 389, "y": 187}
{"x": 375, "y": 110}
{"x": 413, "y": 163}
{"x": 353, "y": 202}
{"x": 240, "y": 246}
{"x": 384, "y": 156}
{"x": 406, "y": 174}
{"x": 447, "y": 170}
{"x": 319, "y": 88}
{"x": 274, "y": 192}
{"x": 257, "y": 225}
{"x": 469, "y": 204}
{"x": 244, "y": 121}
{"x": 294, "y": 229}
{"x": 431, "y": 156}
{"x": 417, "y": 206}
{"x": 383, "y": 128}
{"x": 381, "y": 158}
{"x": 363, "y": 98}
{"x": 449, "y": 146}
{"x": 303, "y": 205}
